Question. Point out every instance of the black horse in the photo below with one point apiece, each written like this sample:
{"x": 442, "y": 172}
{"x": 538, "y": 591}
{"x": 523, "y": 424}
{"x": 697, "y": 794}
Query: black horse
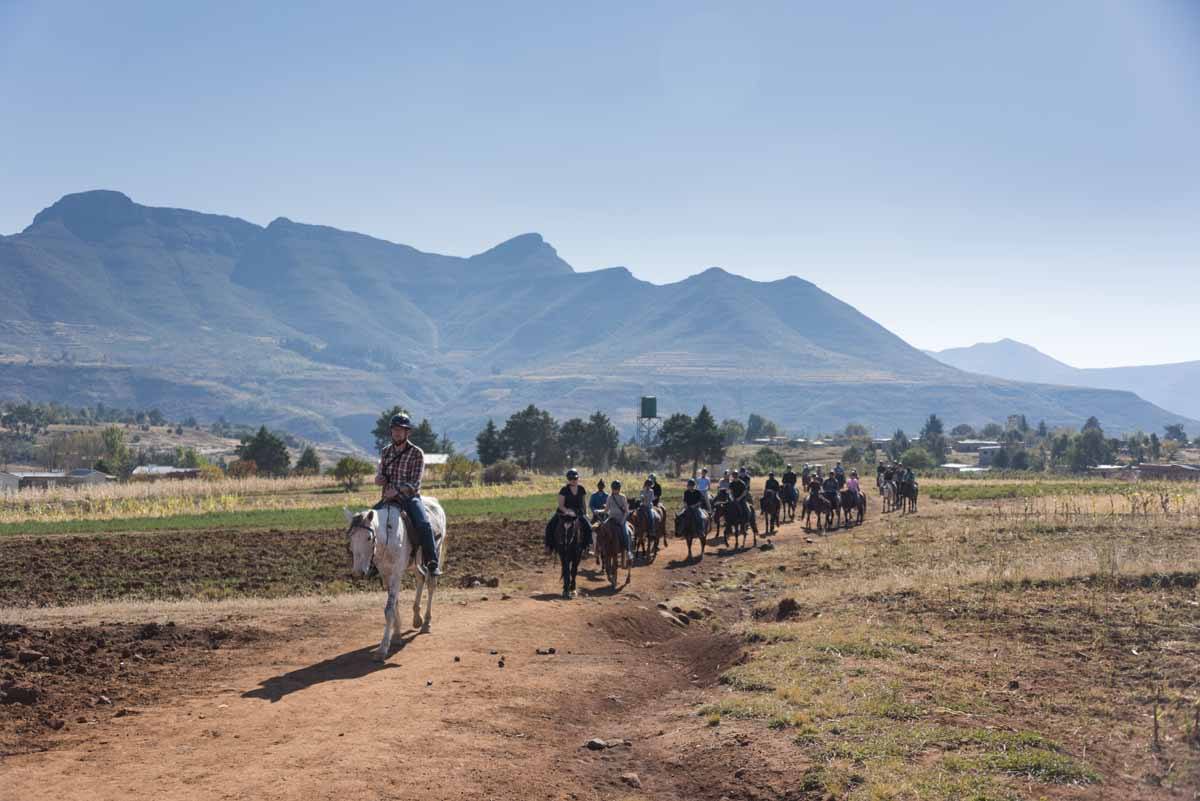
{"x": 854, "y": 502}
{"x": 692, "y": 526}
{"x": 770, "y": 506}
{"x": 791, "y": 498}
{"x": 907, "y": 496}
{"x": 817, "y": 504}
{"x": 570, "y": 540}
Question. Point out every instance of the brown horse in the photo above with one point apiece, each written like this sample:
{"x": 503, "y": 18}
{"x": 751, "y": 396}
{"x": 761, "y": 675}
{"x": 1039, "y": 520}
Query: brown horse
{"x": 608, "y": 551}
{"x": 791, "y": 498}
{"x": 648, "y": 528}
{"x": 818, "y": 504}
{"x": 770, "y": 505}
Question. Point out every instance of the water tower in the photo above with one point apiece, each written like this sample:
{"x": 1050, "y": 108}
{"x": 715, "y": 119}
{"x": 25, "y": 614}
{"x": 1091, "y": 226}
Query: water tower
{"x": 648, "y": 421}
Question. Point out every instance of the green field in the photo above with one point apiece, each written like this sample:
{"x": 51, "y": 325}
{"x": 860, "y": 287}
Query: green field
{"x": 529, "y": 507}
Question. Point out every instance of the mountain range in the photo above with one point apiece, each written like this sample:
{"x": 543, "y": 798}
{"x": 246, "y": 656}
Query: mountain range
{"x": 1172, "y": 386}
{"x": 315, "y": 329}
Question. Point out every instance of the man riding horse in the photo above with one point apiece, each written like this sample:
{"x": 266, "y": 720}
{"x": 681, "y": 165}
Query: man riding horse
{"x": 743, "y": 510}
{"x": 401, "y": 466}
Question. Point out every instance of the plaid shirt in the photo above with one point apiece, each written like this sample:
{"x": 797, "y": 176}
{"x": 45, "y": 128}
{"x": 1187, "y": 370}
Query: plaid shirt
{"x": 402, "y": 466}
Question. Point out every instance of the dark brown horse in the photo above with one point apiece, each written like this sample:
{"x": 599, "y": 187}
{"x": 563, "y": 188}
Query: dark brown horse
{"x": 791, "y": 498}
{"x": 608, "y": 550}
{"x": 818, "y": 504}
{"x": 648, "y": 529}
{"x": 854, "y": 502}
{"x": 691, "y": 526}
{"x": 568, "y": 541}
{"x": 770, "y": 506}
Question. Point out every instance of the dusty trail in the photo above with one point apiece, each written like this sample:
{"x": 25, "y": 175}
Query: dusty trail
{"x": 315, "y": 718}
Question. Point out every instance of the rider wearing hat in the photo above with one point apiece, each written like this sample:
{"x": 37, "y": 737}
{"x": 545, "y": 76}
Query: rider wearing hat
{"x": 401, "y": 466}
{"x": 571, "y": 502}
{"x": 618, "y": 513}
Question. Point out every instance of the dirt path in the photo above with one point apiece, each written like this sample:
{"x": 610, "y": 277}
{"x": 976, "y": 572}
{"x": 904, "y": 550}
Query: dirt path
{"x": 315, "y": 718}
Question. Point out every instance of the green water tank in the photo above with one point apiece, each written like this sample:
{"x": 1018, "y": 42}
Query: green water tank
{"x": 649, "y": 406}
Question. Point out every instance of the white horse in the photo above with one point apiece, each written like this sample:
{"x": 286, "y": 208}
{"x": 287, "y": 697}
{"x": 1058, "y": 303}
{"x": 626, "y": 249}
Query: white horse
{"x": 385, "y": 537}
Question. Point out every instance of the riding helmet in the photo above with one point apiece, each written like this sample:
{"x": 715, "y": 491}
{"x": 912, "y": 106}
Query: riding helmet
{"x": 691, "y": 482}
{"x": 400, "y": 421}
{"x": 616, "y": 485}
{"x": 572, "y": 473}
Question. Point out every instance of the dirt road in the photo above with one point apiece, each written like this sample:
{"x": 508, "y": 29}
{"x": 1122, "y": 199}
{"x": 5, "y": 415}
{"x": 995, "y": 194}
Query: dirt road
{"x": 469, "y": 711}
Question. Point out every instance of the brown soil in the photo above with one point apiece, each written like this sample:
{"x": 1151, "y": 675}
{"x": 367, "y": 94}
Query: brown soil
{"x": 314, "y": 717}
{"x": 54, "y": 679}
{"x": 70, "y": 569}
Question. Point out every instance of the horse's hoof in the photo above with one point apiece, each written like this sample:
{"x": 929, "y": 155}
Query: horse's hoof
{"x": 418, "y": 623}
{"x": 378, "y": 656}
{"x": 425, "y": 629}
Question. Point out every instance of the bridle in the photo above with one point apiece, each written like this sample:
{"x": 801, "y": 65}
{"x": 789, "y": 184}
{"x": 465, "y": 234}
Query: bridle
{"x": 358, "y": 523}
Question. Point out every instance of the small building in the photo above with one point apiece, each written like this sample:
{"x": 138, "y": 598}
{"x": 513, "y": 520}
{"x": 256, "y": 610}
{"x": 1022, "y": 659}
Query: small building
{"x": 987, "y": 453}
{"x": 1124, "y": 472}
{"x": 46, "y": 480}
{"x": 85, "y": 475}
{"x": 9, "y": 482}
{"x": 957, "y": 466}
{"x": 154, "y": 472}
{"x": 974, "y": 445}
{"x": 1169, "y": 472}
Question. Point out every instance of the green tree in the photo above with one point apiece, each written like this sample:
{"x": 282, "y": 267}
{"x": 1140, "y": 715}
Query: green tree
{"x": 758, "y": 426}
{"x": 933, "y": 438}
{"x": 898, "y": 445}
{"x": 1089, "y": 449}
{"x": 1155, "y": 447}
{"x": 116, "y": 452}
{"x": 675, "y": 440}
{"x": 767, "y": 459}
{"x": 1001, "y": 460}
{"x": 1176, "y": 433}
{"x": 489, "y": 445}
{"x": 383, "y": 426}
{"x": 350, "y": 470}
{"x": 424, "y": 437}
{"x": 962, "y": 431}
{"x": 572, "y": 438}
{"x": 531, "y": 436}
{"x": 732, "y": 432}
{"x": 853, "y": 455}
{"x": 916, "y": 457}
{"x": 992, "y": 431}
{"x": 600, "y": 444}
{"x": 267, "y": 451}
{"x": 706, "y": 443}
{"x": 309, "y": 464}
{"x": 856, "y": 431}
{"x": 1136, "y": 443}
{"x": 1092, "y": 424}
{"x": 1019, "y": 459}
{"x": 1042, "y": 430}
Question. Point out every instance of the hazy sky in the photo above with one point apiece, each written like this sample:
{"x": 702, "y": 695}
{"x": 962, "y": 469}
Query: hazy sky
{"x": 959, "y": 171}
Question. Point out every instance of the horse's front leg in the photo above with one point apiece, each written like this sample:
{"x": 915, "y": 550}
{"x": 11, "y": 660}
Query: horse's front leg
{"x": 419, "y": 587}
{"x": 389, "y": 618}
{"x": 432, "y": 582}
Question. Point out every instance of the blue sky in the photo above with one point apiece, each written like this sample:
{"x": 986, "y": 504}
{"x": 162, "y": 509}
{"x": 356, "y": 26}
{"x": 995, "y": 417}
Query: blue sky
{"x": 957, "y": 171}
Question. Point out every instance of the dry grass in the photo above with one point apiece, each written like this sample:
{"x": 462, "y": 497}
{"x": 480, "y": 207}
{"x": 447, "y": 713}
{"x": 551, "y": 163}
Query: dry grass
{"x": 989, "y": 650}
{"x": 173, "y": 498}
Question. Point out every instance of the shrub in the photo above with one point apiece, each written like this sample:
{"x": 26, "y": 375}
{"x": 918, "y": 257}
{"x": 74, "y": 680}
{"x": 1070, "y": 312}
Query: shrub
{"x": 502, "y": 472}
{"x": 460, "y": 471}
{"x": 242, "y": 468}
{"x": 350, "y": 471}
{"x": 917, "y": 458}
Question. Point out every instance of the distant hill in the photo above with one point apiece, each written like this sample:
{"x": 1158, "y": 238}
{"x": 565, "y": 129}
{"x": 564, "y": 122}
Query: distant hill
{"x": 316, "y": 329}
{"x": 1171, "y": 386}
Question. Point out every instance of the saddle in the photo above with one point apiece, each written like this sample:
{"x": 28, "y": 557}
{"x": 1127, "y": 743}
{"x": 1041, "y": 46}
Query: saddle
{"x": 406, "y": 521}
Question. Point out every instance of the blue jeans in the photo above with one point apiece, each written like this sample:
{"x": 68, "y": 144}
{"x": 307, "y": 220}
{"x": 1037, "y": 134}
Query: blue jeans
{"x": 416, "y": 513}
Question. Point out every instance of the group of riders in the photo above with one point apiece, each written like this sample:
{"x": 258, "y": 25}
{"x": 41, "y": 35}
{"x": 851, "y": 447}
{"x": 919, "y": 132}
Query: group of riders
{"x": 609, "y": 503}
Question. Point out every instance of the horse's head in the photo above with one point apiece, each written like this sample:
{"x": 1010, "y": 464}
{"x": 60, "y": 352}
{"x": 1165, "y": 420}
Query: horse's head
{"x": 360, "y": 539}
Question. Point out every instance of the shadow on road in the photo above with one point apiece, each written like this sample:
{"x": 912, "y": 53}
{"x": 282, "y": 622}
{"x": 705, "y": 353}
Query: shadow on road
{"x": 344, "y": 667}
